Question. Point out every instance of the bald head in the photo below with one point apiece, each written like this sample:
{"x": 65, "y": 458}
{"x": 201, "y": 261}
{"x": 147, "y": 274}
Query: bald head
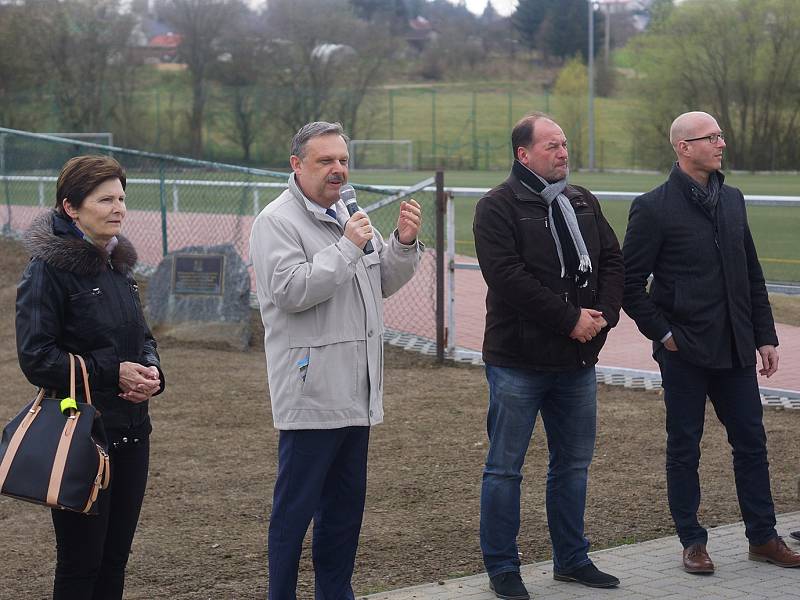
{"x": 687, "y": 125}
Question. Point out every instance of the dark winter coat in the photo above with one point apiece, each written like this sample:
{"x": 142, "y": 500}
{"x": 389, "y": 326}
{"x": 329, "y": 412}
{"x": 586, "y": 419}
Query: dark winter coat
{"x": 708, "y": 287}
{"x": 74, "y": 297}
{"x": 530, "y": 308}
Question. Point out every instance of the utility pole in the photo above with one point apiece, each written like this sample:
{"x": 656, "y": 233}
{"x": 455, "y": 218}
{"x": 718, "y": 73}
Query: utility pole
{"x": 591, "y": 84}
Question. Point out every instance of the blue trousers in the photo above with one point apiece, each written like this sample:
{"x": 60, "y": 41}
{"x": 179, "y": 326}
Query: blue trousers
{"x": 735, "y": 397}
{"x": 567, "y": 401}
{"x": 322, "y": 475}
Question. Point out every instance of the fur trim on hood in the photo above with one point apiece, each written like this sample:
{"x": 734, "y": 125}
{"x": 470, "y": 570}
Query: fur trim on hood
{"x": 73, "y": 254}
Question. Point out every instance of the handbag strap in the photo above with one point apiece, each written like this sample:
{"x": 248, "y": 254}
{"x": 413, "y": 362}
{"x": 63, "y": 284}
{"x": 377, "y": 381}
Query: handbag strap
{"x": 86, "y": 390}
{"x": 71, "y": 375}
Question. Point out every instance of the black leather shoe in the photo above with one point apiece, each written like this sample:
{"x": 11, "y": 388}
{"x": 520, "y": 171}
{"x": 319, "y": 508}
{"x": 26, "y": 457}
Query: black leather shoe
{"x": 588, "y": 575}
{"x": 509, "y": 586}
{"x": 795, "y": 535}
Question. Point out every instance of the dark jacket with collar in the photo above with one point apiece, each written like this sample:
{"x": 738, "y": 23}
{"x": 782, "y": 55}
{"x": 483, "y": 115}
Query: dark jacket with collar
{"x": 530, "y": 308}
{"x": 74, "y": 297}
{"x": 708, "y": 287}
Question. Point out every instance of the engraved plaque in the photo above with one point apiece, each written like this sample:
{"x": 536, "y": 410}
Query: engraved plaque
{"x": 198, "y": 274}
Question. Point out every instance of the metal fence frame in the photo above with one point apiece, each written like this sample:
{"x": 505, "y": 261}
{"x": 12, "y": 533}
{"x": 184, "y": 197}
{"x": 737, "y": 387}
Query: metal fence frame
{"x": 472, "y": 192}
{"x": 169, "y": 194}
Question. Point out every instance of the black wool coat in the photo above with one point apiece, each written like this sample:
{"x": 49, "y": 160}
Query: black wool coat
{"x": 530, "y": 308}
{"x": 74, "y": 297}
{"x": 707, "y": 287}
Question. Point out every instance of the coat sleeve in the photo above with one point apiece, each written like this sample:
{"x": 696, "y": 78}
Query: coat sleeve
{"x": 763, "y": 322}
{"x": 150, "y": 357}
{"x": 39, "y": 326}
{"x": 398, "y": 263}
{"x": 507, "y": 275}
{"x": 284, "y": 273}
{"x": 643, "y": 239}
{"x": 611, "y": 270}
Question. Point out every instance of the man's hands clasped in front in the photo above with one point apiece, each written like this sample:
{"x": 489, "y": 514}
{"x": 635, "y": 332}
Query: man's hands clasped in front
{"x": 589, "y": 324}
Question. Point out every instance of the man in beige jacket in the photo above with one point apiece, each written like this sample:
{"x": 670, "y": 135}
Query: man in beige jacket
{"x": 321, "y": 299}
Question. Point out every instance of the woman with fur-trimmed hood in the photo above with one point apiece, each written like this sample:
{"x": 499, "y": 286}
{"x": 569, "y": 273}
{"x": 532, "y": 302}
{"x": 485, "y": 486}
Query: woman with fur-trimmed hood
{"x": 78, "y": 295}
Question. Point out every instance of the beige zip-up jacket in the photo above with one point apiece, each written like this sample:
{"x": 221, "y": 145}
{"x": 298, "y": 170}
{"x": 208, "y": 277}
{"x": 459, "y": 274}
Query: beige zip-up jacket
{"x": 321, "y": 302}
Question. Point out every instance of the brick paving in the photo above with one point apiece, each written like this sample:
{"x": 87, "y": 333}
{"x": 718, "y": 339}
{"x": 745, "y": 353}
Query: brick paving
{"x": 626, "y": 348}
{"x": 646, "y": 570}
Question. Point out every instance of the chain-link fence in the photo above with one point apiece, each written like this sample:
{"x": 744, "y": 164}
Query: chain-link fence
{"x": 175, "y": 203}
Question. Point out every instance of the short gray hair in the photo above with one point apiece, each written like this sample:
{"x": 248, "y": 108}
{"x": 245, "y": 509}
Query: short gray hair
{"x": 312, "y": 130}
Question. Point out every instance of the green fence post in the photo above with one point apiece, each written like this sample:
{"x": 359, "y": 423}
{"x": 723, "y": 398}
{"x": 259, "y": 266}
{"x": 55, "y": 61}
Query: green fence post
{"x": 391, "y": 127}
{"x": 6, "y": 186}
{"x": 158, "y": 120}
{"x": 162, "y": 189}
{"x": 433, "y": 126}
{"x": 511, "y": 115}
{"x": 474, "y": 129}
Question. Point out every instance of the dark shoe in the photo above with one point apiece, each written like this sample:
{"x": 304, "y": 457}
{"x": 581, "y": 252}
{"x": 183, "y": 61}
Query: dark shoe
{"x": 795, "y": 535}
{"x": 588, "y": 575}
{"x": 696, "y": 559}
{"x": 776, "y": 552}
{"x": 509, "y": 586}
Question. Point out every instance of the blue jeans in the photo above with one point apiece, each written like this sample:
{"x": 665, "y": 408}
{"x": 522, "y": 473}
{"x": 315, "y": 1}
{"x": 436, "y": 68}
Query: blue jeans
{"x": 734, "y": 395}
{"x": 568, "y": 403}
{"x": 322, "y": 475}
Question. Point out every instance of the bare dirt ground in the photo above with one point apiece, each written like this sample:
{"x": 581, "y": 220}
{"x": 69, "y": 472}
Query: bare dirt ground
{"x": 202, "y": 533}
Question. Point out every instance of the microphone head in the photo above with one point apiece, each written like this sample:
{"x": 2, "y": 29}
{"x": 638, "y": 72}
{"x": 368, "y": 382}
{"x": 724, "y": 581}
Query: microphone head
{"x": 347, "y": 193}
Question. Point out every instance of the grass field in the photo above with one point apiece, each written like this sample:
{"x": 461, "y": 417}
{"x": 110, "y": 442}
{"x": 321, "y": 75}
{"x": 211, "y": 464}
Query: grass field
{"x": 775, "y": 229}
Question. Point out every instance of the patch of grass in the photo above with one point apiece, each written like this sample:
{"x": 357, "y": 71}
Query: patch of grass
{"x": 785, "y": 309}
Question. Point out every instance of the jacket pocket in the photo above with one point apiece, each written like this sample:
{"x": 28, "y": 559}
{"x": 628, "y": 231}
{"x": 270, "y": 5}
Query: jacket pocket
{"x": 89, "y": 313}
{"x": 138, "y": 316}
{"x": 680, "y": 300}
{"x": 329, "y": 376}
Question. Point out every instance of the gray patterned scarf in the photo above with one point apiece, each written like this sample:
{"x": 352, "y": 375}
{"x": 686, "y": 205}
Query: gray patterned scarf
{"x": 574, "y": 257}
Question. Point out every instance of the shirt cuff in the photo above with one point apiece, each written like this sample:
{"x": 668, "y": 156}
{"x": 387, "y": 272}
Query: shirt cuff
{"x": 666, "y": 337}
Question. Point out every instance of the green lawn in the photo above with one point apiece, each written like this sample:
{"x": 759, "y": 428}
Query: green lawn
{"x": 775, "y": 228}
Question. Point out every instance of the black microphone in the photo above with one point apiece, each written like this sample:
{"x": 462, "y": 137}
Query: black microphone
{"x": 347, "y": 194}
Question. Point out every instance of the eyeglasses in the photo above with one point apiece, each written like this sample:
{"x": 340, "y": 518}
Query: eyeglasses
{"x": 712, "y": 139}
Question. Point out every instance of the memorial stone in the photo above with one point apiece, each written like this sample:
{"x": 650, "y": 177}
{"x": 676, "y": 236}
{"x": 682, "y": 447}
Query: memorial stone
{"x": 201, "y": 295}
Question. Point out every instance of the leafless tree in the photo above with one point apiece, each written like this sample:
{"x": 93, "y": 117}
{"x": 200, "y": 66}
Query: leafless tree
{"x": 203, "y": 24}
{"x": 79, "y": 48}
{"x": 323, "y": 60}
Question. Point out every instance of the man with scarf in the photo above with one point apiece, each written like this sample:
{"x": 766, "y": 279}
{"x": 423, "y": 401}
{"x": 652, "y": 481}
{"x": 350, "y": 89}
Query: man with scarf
{"x": 554, "y": 271}
{"x": 708, "y": 314}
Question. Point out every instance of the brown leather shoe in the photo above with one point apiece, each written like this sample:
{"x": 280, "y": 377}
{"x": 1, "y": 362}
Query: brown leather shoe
{"x": 696, "y": 559}
{"x": 776, "y": 552}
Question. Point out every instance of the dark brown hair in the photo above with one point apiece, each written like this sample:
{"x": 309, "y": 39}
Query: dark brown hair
{"x": 82, "y": 174}
{"x": 522, "y": 134}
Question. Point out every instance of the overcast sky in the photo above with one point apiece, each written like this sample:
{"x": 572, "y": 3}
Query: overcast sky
{"x": 504, "y": 7}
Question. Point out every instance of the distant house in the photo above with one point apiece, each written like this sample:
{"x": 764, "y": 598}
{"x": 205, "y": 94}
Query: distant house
{"x": 154, "y": 42}
{"x": 420, "y": 33}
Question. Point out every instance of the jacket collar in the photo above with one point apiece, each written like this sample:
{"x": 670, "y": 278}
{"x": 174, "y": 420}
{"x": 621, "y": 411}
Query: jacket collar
{"x": 688, "y": 186}
{"x": 315, "y": 209}
{"x": 524, "y": 193}
{"x": 51, "y": 239}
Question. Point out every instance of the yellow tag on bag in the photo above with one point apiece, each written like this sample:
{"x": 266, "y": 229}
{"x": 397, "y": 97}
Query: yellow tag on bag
{"x": 68, "y": 403}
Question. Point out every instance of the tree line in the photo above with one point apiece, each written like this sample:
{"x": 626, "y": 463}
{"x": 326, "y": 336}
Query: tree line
{"x": 68, "y": 65}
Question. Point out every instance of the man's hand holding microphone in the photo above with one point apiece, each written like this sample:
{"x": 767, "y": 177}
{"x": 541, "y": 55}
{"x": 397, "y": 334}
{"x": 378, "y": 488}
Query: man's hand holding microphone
{"x": 358, "y": 228}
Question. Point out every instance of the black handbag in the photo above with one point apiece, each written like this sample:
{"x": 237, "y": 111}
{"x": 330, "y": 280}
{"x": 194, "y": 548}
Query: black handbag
{"x": 54, "y": 451}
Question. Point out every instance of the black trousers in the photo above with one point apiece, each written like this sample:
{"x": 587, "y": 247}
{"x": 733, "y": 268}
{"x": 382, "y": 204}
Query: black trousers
{"x": 736, "y": 401}
{"x": 92, "y": 550}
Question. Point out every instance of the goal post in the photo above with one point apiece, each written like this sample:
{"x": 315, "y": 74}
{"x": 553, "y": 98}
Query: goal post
{"x": 101, "y": 137}
{"x": 382, "y": 154}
